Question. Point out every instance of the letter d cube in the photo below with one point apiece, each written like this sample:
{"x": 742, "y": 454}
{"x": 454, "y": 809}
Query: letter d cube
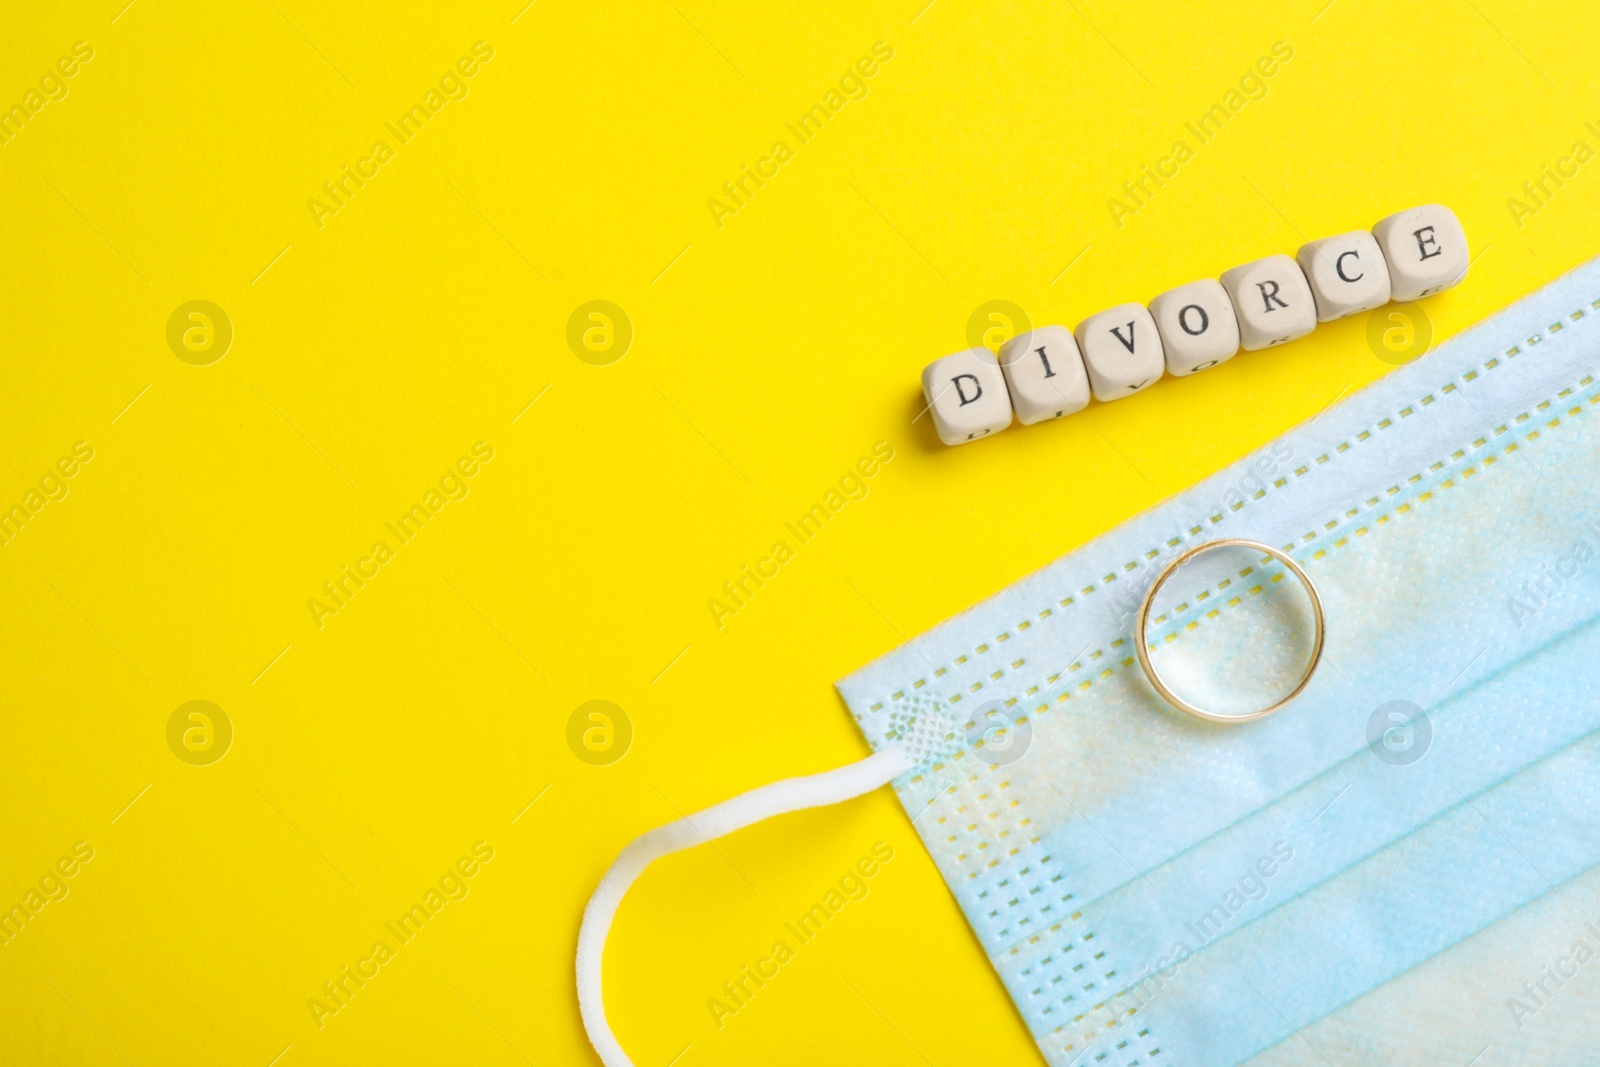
{"x": 967, "y": 394}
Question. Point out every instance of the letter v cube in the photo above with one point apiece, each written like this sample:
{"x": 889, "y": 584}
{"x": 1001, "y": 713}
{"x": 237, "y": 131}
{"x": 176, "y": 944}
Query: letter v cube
{"x": 1121, "y": 350}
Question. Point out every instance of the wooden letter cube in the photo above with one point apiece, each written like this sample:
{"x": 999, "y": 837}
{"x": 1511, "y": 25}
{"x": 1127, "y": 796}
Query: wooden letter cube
{"x": 1121, "y": 351}
{"x": 1347, "y": 274}
{"x": 1426, "y": 249}
{"x": 967, "y": 394}
{"x": 1045, "y": 373}
{"x": 1197, "y": 325}
{"x": 1273, "y": 302}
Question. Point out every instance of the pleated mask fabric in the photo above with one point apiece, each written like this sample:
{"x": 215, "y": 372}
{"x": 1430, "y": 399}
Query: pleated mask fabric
{"x": 1155, "y": 889}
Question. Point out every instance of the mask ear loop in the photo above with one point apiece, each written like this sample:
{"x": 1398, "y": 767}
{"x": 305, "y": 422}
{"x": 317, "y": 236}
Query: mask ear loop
{"x": 791, "y": 794}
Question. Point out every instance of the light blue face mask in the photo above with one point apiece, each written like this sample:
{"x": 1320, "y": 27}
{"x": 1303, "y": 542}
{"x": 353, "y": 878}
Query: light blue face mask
{"x": 1403, "y": 865}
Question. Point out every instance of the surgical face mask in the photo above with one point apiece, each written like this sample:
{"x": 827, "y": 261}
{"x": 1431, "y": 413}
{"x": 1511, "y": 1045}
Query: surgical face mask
{"x": 1403, "y": 864}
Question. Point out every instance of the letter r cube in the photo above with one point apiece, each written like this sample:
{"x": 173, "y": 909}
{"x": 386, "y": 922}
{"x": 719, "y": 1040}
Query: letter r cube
{"x": 1272, "y": 300}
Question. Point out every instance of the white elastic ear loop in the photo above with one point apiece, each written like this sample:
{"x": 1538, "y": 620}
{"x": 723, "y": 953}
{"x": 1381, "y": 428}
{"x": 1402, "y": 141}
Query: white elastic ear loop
{"x": 791, "y": 794}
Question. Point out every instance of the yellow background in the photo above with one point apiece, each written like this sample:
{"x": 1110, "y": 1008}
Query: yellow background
{"x": 768, "y": 355}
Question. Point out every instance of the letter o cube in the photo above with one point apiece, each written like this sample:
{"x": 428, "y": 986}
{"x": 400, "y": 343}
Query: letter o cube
{"x": 966, "y": 393}
{"x": 1426, "y": 249}
{"x": 1273, "y": 302}
{"x": 1197, "y": 325}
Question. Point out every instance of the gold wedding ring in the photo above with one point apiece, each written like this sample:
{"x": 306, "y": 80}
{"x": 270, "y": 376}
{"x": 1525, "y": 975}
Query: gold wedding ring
{"x": 1142, "y": 643}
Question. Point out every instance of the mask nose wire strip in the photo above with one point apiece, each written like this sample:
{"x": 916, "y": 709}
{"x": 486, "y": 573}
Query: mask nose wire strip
{"x": 790, "y": 794}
